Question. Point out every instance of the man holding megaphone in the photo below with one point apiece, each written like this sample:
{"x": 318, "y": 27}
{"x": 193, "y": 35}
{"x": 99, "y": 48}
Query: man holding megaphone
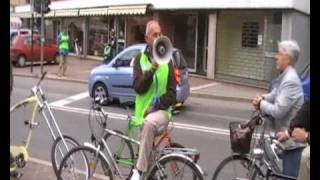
{"x": 155, "y": 86}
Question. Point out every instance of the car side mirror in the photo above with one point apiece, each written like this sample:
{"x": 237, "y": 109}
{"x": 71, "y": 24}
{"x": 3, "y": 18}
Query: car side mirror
{"x": 116, "y": 64}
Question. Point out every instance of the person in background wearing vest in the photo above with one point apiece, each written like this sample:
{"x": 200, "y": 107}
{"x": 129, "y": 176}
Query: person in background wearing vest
{"x": 107, "y": 53}
{"x": 156, "y": 92}
{"x": 63, "y": 45}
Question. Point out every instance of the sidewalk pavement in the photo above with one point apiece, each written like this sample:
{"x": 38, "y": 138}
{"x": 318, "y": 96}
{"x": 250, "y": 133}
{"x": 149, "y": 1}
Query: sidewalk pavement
{"x": 79, "y": 69}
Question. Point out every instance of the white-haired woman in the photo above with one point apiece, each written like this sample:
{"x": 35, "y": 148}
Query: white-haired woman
{"x": 283, "y": 102}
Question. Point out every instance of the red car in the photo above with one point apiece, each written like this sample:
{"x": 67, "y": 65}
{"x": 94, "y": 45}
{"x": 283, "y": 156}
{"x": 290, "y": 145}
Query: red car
{"x": 20, "y": 50}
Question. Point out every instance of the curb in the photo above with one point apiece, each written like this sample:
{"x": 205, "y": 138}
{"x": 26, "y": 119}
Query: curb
{"x": 217, "y": 97}
{"x": 192, "y": 94}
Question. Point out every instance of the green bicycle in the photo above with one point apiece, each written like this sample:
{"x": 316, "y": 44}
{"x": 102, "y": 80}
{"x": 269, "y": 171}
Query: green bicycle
{"x": 125, "y": 153}
{"x": 38, "y": 103}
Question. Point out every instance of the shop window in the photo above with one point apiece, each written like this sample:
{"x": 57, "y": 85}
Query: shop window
{"x": 250, "y": 34}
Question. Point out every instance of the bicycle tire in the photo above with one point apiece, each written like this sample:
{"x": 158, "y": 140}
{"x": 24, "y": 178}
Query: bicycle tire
{"x": 194, "y": 175}
{"x": 85, "y": 152}
{"x": 228, "y": 160}
{"x": 54, "y": 150}
{"x": 128, "y": 150}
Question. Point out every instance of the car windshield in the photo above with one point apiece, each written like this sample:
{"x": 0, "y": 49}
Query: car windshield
{"x": 13, "y": 40}
{"x": 13, "y": 37}
{"x": 180, "y": 62}
{"x": 24, "y": 32}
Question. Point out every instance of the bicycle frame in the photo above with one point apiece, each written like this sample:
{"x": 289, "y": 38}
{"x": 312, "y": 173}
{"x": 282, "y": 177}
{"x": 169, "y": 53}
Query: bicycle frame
{"x": 166, "y": 151}
{"x": 126, "y": 137}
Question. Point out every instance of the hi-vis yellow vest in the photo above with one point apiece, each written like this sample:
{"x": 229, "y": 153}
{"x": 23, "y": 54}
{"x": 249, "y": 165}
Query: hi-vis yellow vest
{"x": 64, "y": 41}
{"x": 157, "y": 88}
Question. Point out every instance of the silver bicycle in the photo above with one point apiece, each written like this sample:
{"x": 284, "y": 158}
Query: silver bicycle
{"x": 262, "y": 161}
{"x": 167, "y": 163}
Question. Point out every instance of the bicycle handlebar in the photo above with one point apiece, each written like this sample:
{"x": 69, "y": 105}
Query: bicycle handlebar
{"x": 257, "y": 119}
{"x": 276, "y": 142}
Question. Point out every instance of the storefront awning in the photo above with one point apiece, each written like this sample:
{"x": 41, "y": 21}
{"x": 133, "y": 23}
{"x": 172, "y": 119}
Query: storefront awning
{"x": 15, "y": 22}
{"x": 50, "y": 14}
{"x": 127, "y": 10}
{"x": 93, "y": 11}
{"x": 21, "y": 14}
{"x": 66, "y": 12}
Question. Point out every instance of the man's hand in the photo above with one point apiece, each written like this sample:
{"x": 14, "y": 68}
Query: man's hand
{"x": 282, "y": 136}
{"x": 256, "y": 102}
{"x": 154, "y": 65}
{"x": 299, "y": 134}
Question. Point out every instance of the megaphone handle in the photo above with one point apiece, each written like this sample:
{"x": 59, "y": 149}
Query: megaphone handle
{"x": 156, "y": 83}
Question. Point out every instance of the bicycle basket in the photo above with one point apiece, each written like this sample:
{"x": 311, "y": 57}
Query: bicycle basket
{"x": 240, "y": 138}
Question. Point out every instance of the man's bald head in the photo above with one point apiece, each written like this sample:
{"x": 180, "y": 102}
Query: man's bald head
{"x": 153, "y": 30}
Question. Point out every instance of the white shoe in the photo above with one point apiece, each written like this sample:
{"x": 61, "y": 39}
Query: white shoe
{"x": 135, "y": 175}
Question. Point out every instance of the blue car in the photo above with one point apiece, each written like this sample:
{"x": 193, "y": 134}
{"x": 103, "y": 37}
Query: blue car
{"x": 306, "y": 88}
{"x": 305, "y": 81}
{"x": 115, "y": 79}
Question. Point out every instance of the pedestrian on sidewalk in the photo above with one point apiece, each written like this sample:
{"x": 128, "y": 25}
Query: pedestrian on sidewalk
{"x": 283, "y": 103}
{"x": 107, "y": 53}
{"x": 63, "y": 45}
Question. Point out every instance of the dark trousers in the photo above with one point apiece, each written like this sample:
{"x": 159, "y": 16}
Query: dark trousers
{"x": 291, "y": 162}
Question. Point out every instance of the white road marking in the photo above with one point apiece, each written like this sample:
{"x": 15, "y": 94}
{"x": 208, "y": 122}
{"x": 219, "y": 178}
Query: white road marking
{"x": 85, "y": 94}
{"x": 70, "y": 99}
{"x": 124, "y": 118}
{"x": 40, "y": 161}
{"x": 216, "y": 116}
{"x": 47, "y": 163}
{"x": 204, "y": 86}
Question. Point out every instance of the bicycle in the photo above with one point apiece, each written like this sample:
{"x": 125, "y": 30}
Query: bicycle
{"x": 93, "y": 154}
{"x": 124, "y": 153}
{"x": 262, "y": 160}
{"x": 38, "y": 103}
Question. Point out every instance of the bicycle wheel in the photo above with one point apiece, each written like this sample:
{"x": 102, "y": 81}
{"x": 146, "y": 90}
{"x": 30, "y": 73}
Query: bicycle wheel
{"x": 235, "y": 167}
{"x": 59, "y": 150}
{"x": 174, "y": 167}
{"x": 83, "y": 163}
{"x": 122, "y": 152}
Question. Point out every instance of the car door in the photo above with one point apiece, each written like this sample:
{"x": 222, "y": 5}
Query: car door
{"x": 36, "y": 48}
{"x": 121, "y": 75}
{"x": 27, "y": 49}
{"x": 48, "y": 51}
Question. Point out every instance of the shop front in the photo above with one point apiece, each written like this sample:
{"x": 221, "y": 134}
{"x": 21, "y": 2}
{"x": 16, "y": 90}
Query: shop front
{"x": 188, "y": 32}
{"x": 91, "y": 29}
{"x": 246, "y": 45}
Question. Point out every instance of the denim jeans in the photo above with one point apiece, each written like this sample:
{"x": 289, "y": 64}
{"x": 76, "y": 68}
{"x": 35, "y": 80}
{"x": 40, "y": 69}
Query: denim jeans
{"x": 291, "y": 162}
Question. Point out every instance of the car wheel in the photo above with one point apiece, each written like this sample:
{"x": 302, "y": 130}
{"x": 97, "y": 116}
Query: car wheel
{"x": 21, "y": 61}
{"x": 100, "y": 90}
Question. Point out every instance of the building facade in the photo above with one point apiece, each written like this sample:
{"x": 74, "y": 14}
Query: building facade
{"x": 220, "y": 40}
